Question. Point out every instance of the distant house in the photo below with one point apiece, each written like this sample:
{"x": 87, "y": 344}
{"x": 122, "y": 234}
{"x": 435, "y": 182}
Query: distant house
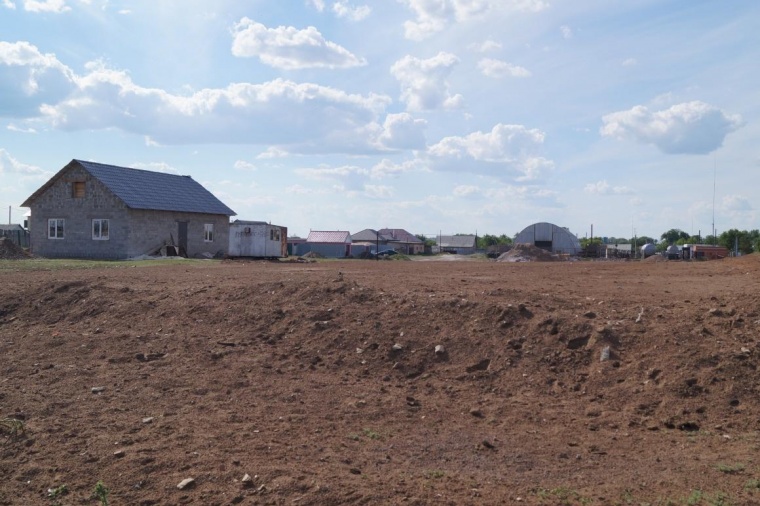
{"x": 93, "y": 210}
{"x": 369, "y": 241}
{"x": 459, "y": 244}
{"x": 329, "y": 244}
{"x": 403, "y": 241}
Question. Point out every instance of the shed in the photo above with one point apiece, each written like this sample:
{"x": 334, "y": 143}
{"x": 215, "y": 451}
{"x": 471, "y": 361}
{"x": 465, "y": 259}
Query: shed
{"x": 94, "y": 210}
{"x": 550, "y": 237}
{"x": 328, "y": 243}
{"x": 403, "y": 241}
{"x": 458, "y": 244}
{"x": 257, "y": 239}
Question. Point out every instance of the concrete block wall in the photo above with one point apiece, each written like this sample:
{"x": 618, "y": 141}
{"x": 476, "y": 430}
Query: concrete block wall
{"x": 150, "y": 230}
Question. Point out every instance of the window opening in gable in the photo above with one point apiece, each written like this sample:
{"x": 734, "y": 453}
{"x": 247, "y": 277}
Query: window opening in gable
{"x": 77, "y": 189}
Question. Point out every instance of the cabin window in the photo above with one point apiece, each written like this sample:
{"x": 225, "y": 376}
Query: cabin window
{"x": 55, "y": 228}
{"x": 77, "y": 189}
{"x": 100, "y": 230}
{"x": 274, "y": 235}
{"x": 208, "y": 232}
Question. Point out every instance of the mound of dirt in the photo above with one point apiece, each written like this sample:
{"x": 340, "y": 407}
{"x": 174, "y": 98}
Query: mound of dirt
{"x": 522, "y": 252}
{"x": 401, "y": 383}
{"x": 9, "y": 250}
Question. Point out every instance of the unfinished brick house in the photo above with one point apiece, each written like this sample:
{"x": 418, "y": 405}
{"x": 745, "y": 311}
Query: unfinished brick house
{"x": 93, "y": 210}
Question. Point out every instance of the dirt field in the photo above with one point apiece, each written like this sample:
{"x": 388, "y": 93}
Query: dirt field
{"x": 322, "y": 383}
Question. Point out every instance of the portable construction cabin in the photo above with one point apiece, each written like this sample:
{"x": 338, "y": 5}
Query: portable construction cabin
{"x": 708, "y": 252}
{"x": 550, "y": 237}
{"x": 257, "y": 239}
{"x": 328, "y": 243}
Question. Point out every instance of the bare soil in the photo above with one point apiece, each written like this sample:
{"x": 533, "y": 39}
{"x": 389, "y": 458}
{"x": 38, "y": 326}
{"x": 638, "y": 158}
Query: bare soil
{"x": 287, "y": 372}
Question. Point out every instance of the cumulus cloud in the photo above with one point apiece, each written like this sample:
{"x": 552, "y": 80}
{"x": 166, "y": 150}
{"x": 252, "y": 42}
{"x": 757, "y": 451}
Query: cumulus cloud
{"x": 498, "y": 69}
{"x": 289, "y": 48}
{"x": 434, "y": 16}
{"x": 29, "y": 78}
{"x": 55, "y": 6}
{"x": 691, "y": 127}
{"x": 506, "y": 152}
{"x": 629, "y": 62}
{"x": 304, "y": 117}
{"x": 487, "y": 46}
{"x": 567, "y": 32}
{"x": 604, "y": 188}
{"x": 351, "y": 12}
{"x": 317, "y": 4}
{"x": 403, "y": 131}
{"x": 424, "y": 84}
{"x": 9, "y": 4}
{"x": 387, "y": 168}
{"x": 243, "y": 165}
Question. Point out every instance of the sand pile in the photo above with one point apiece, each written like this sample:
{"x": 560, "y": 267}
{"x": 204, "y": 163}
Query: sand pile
{"x": 527, "y": 253}
{"x": 11, "y": 251}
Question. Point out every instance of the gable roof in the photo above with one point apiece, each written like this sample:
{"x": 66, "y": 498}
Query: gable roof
{"x": 144, "y": 189}
{"x": 456, "y": 241}
{"x": 335, "y": 237}
{"x": 401, "y": 235}
{"x": 369, "y": 235}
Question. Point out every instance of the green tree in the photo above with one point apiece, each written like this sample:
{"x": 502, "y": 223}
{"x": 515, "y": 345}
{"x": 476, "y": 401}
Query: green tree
{"x": 732, "y": 238}
{"x": 673, "y": 235}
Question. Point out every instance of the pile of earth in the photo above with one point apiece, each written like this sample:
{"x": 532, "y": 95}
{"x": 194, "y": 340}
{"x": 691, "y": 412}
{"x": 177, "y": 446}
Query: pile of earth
{"x": 9, "y": 250}
{"x": 523, "y": 252}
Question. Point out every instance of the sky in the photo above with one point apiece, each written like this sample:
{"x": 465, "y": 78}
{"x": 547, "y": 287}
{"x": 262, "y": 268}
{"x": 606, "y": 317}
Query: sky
{"x": 633, "y": 117}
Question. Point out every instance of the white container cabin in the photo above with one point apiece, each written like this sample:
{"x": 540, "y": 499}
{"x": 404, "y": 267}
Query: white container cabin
{"x": 257, "y": 239}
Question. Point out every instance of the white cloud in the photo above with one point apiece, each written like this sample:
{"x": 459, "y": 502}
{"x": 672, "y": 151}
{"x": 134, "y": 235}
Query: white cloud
{"x": 56, "y": 6}
{"x": 487, "y": 46}
{"x": 630, "y": 62}
{"x": 305, "y": 117}
{"x": 434, "y": 15}
{"x": 9, "y": 4}
{"x": 403, "y": 131}
{"x": 691, "y": 127}
{"x": 243, "y": 165}
{"x": 424, "y": 84}
{"x": 288, "y": 48}
{"x": 272, "y": 152}
{"x": 348, "y": 11}
{"x": 466, "y": 191}
{"x": 736, "y": 203}
{"x": 506, "y": 152}
{"x": 29, "y": 78}
{"x": 317, "y": 4}
{"x": 567, "y": 32}
{"x": 497, "y": 69}
{"x": 604, "y": 188}
{"x": 8, "y": 164}
{"x": 378, "y": 191}
{"x": 14, "y": 128}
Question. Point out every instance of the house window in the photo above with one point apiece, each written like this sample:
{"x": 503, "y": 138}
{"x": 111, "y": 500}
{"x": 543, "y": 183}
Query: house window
{"x": 77, "y": 189}
{"x": 55, "y": 228}
{"x": 100, "y": 230}
{"x": 208, "y": 232}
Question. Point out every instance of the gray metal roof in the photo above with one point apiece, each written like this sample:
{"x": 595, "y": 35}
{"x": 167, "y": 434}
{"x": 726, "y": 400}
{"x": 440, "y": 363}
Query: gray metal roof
{"x": 144, "y": 189}
{"x": 456, "y": 241}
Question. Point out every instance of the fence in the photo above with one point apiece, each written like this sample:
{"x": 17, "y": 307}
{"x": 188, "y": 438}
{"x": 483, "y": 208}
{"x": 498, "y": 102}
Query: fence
{"x": 18, "y": 236}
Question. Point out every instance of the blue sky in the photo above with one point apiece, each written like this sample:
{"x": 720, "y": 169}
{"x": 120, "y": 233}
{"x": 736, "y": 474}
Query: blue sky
{"x": 437, "y": 116}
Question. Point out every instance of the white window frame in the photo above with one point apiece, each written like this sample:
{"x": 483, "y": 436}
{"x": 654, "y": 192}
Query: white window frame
{"x": 99, "y": 236}
{"x": 208, "y": 232}
{"x": 54, "y": 222}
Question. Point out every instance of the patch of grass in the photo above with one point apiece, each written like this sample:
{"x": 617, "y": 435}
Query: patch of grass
{"x": 12, "y": 427}
{"x": 372, "y": 434}
{"x": 434, "y": 474}
{"x": 752, "y": 485}
{"x": 561, "y": 496}
{"x": 730, "y": 468}
{"x": 101, "y": 493}
{"x": 697, "y": 497}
